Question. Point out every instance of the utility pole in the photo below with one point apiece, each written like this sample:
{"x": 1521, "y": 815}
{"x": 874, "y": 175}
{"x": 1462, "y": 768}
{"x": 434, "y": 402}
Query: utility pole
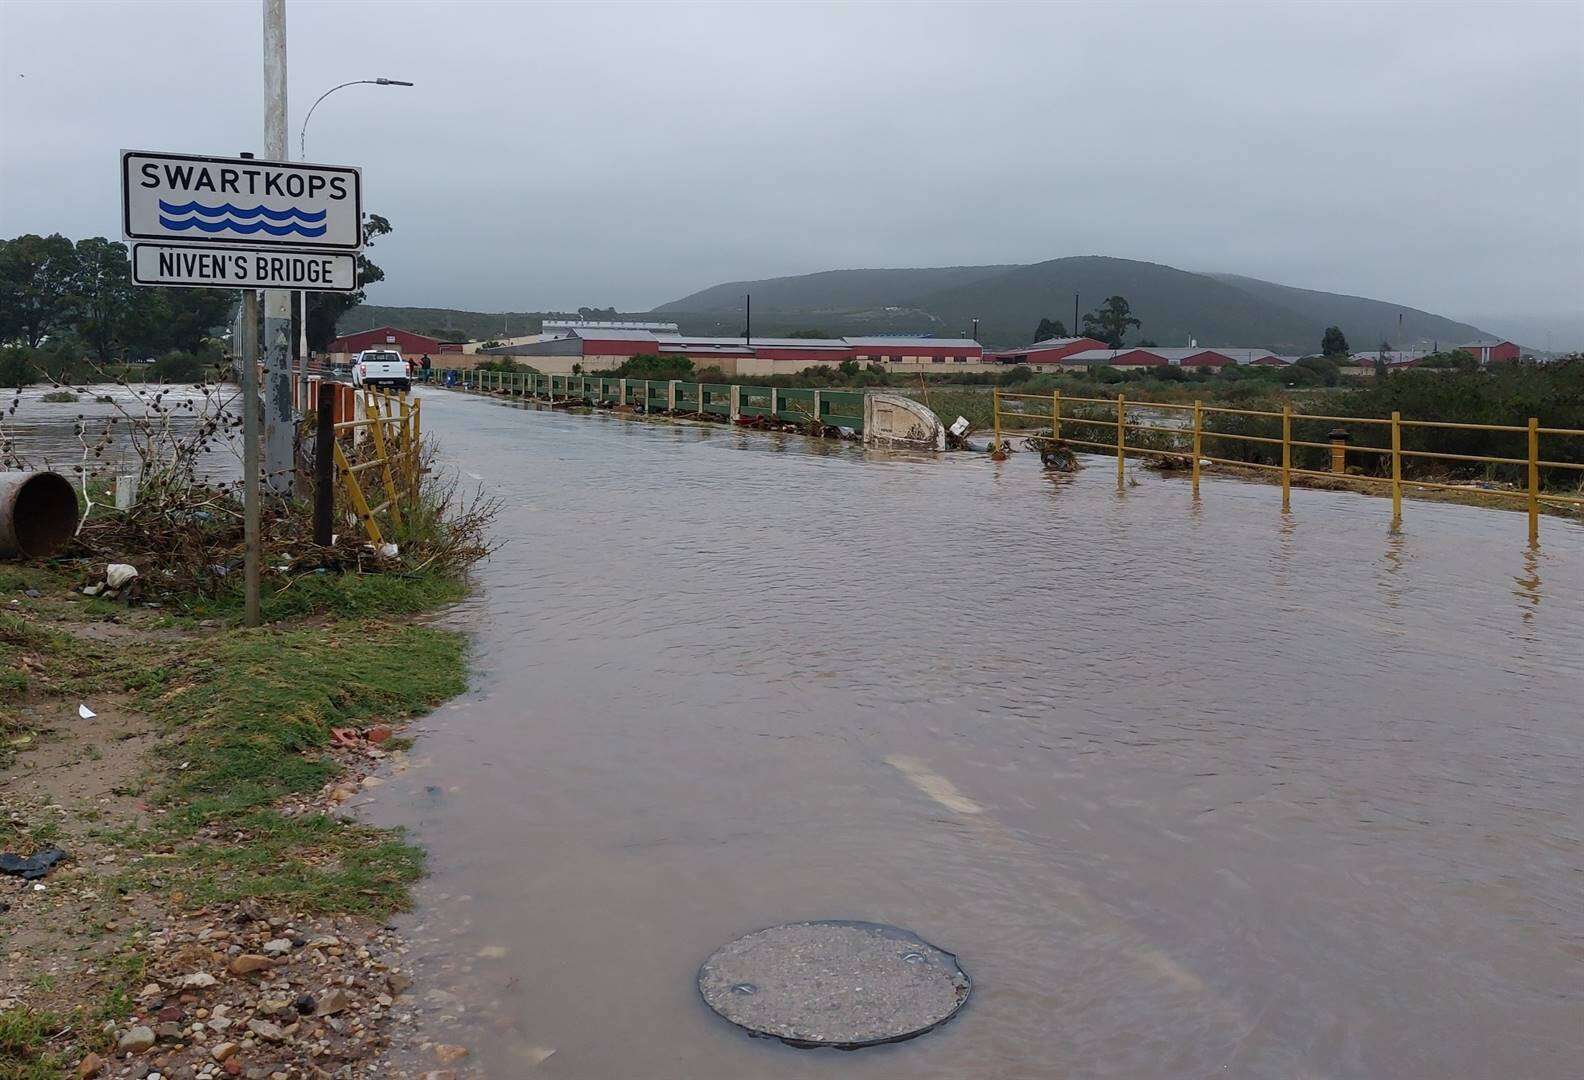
{"x": 747, "y": 318}
{"x": 1074, "y": 330}
{"x": 280, "y": 420}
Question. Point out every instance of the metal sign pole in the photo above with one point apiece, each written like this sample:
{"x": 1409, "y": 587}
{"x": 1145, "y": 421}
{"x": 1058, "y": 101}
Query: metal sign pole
{"x": 280, "y": 418}
{"x": 250, "y": 457}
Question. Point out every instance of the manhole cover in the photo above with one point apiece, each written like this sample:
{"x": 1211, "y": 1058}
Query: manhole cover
{"x": 834, "y": 983}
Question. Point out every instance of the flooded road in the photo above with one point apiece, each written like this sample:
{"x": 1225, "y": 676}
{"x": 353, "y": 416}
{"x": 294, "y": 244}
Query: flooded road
{"x": 52, "y": 434}
{"x": 1190, "y": 790}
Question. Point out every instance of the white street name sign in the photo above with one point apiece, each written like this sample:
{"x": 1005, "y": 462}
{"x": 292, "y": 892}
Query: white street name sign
{"x": 201, "y": 266}
{"x": 240, "y": 202}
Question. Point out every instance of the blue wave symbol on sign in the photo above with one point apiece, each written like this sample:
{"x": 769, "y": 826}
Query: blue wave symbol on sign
{"x": 296, "y": 221}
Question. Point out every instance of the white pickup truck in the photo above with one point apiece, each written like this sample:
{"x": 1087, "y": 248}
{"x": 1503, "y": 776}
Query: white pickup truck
{"x": 381, "y": 367}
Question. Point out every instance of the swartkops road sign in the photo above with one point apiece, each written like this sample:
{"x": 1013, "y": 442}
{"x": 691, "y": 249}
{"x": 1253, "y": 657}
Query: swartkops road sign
{"x": 240, "y": 202}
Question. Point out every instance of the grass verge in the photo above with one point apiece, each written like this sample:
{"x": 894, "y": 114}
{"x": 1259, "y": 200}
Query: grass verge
{"x": 234, "y": 787}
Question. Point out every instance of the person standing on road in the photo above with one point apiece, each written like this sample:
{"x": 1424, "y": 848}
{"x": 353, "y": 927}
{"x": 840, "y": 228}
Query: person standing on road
{"x": 425, "y": 364}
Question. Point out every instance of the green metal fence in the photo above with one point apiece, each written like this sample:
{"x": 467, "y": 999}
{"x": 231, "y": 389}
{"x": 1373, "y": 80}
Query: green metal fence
{"x": 833, "y": 408}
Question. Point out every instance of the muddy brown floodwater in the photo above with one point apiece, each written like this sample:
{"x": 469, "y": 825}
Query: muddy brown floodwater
{"x": 1191, "y": 790}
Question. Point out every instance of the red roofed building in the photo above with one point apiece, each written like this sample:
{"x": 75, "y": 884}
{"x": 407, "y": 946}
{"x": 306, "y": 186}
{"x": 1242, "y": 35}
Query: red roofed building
{"x": 410, "y": 345}
{"x": 1121, "y": 359}
{"x": 1049, "y": 351}
{"x": 1207, "y": 358}
{"x": 1492, "y": 352}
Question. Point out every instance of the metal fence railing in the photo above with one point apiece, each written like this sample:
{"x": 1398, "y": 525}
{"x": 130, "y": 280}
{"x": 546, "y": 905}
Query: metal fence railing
{"x": 829, "y": 408}
{"x": 1534, "y": 466}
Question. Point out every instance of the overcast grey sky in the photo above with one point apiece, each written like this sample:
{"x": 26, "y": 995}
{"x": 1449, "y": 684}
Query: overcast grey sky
{"x": 554, "y": 155}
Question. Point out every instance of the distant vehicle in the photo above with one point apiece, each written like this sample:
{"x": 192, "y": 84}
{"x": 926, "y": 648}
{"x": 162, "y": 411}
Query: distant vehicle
{"x": 381, "y": 367}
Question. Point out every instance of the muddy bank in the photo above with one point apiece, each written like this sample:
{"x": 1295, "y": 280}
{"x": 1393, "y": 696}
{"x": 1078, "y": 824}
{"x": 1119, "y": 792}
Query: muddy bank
{"x": 217, "y": 911}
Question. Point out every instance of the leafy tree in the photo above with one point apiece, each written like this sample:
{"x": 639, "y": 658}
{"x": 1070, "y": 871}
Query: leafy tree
{"x": 104, "y": 296}
{"x": 326, "y": 309}
{"x": 185, "y": 367}
{"x": 1334, "y": 343}
{"x": 650, "y": 366}
{"x": 1022, "y": 373}
{"x": 16, "y": 367}
{"x": 36, "y": 274}
{"x": 1110, "y": 322}
{"x": 1457, "y": 359}
{"x": 158, "y": 321}
{"x": 847, "y": 368}
{"x": 1315, "y": 371}
{"x": 1050, "y": 328}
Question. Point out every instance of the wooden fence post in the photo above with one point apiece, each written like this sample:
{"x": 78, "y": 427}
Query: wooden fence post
{"x": 1396, "y": 467}
{"x": 1534, "y": 481}
{"x": 1121, "y": 444}
{"x": 324, "y": 472}
{"x": 996, "y": 453}
{"x": 1198, "y": 444}
{"x": 1286, "y": 472}
{"x": 1055, "y": 414}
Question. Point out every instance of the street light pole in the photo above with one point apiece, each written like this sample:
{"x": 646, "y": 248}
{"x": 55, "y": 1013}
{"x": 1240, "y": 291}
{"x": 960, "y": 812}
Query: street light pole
{"x": 279, "y": 419}
{"x": 302, "y": 155}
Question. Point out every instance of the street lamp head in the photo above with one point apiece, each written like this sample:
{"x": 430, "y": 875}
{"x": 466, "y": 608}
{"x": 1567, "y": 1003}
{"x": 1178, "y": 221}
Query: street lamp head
{"x": 392, "y": 82}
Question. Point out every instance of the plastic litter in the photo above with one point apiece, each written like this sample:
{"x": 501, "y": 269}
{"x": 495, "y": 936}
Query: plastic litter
{"x": 960, "y": 426}
{"x": 85, "y": 712}
{"x": 118, "y": 574}
{"x": 31, "y": 867}
{"x": 388, "y": 550}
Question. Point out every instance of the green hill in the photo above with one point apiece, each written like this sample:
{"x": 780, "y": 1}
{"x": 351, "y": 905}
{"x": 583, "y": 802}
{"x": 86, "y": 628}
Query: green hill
{"x": 1365, "y": 322}
{"x": 1174, "y": 306}
{"x": 832, "y": 290}
{"x": 1009, "y": 301}
{"x": 447, "y": 324}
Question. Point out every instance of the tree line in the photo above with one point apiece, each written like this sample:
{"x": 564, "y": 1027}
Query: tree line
{"x": 63, "y": 302}
{"x": 66, "y": 307}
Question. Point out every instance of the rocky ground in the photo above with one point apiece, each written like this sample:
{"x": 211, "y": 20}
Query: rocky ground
{"x": 238, "y": 989}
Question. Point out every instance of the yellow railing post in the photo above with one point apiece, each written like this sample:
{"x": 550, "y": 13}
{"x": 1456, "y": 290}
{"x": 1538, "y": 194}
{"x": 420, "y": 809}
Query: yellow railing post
{"x": 1286, "y": 473}
{"x": 1121, "y": 423}
{"x": 404, "y": 440}
{"x": 995, "y": 407}
{"x": 1055, "y": 414}
{"x": 1396, "y": 466}
{"x": 382, "y": 449}
{"x": 1534, "y": 480}
{"x": 1198, "y": 442}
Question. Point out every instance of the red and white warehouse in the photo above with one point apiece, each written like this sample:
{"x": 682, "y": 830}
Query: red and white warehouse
{"x": 411, "y": 345}
{"x": 598, "y": 349}
{"x": 1082, "y": 353}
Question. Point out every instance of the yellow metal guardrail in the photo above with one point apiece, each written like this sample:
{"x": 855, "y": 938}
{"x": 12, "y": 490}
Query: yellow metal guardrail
{"x": 392, "y": 424}
{"x": 1187, "y": 439}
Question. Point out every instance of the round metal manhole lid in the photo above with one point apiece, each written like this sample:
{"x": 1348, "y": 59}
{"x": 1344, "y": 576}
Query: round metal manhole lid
{"x": 834, "y": 983}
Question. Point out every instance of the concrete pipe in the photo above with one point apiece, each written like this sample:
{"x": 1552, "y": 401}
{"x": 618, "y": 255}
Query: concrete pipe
{"x": 38, "y": 514}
